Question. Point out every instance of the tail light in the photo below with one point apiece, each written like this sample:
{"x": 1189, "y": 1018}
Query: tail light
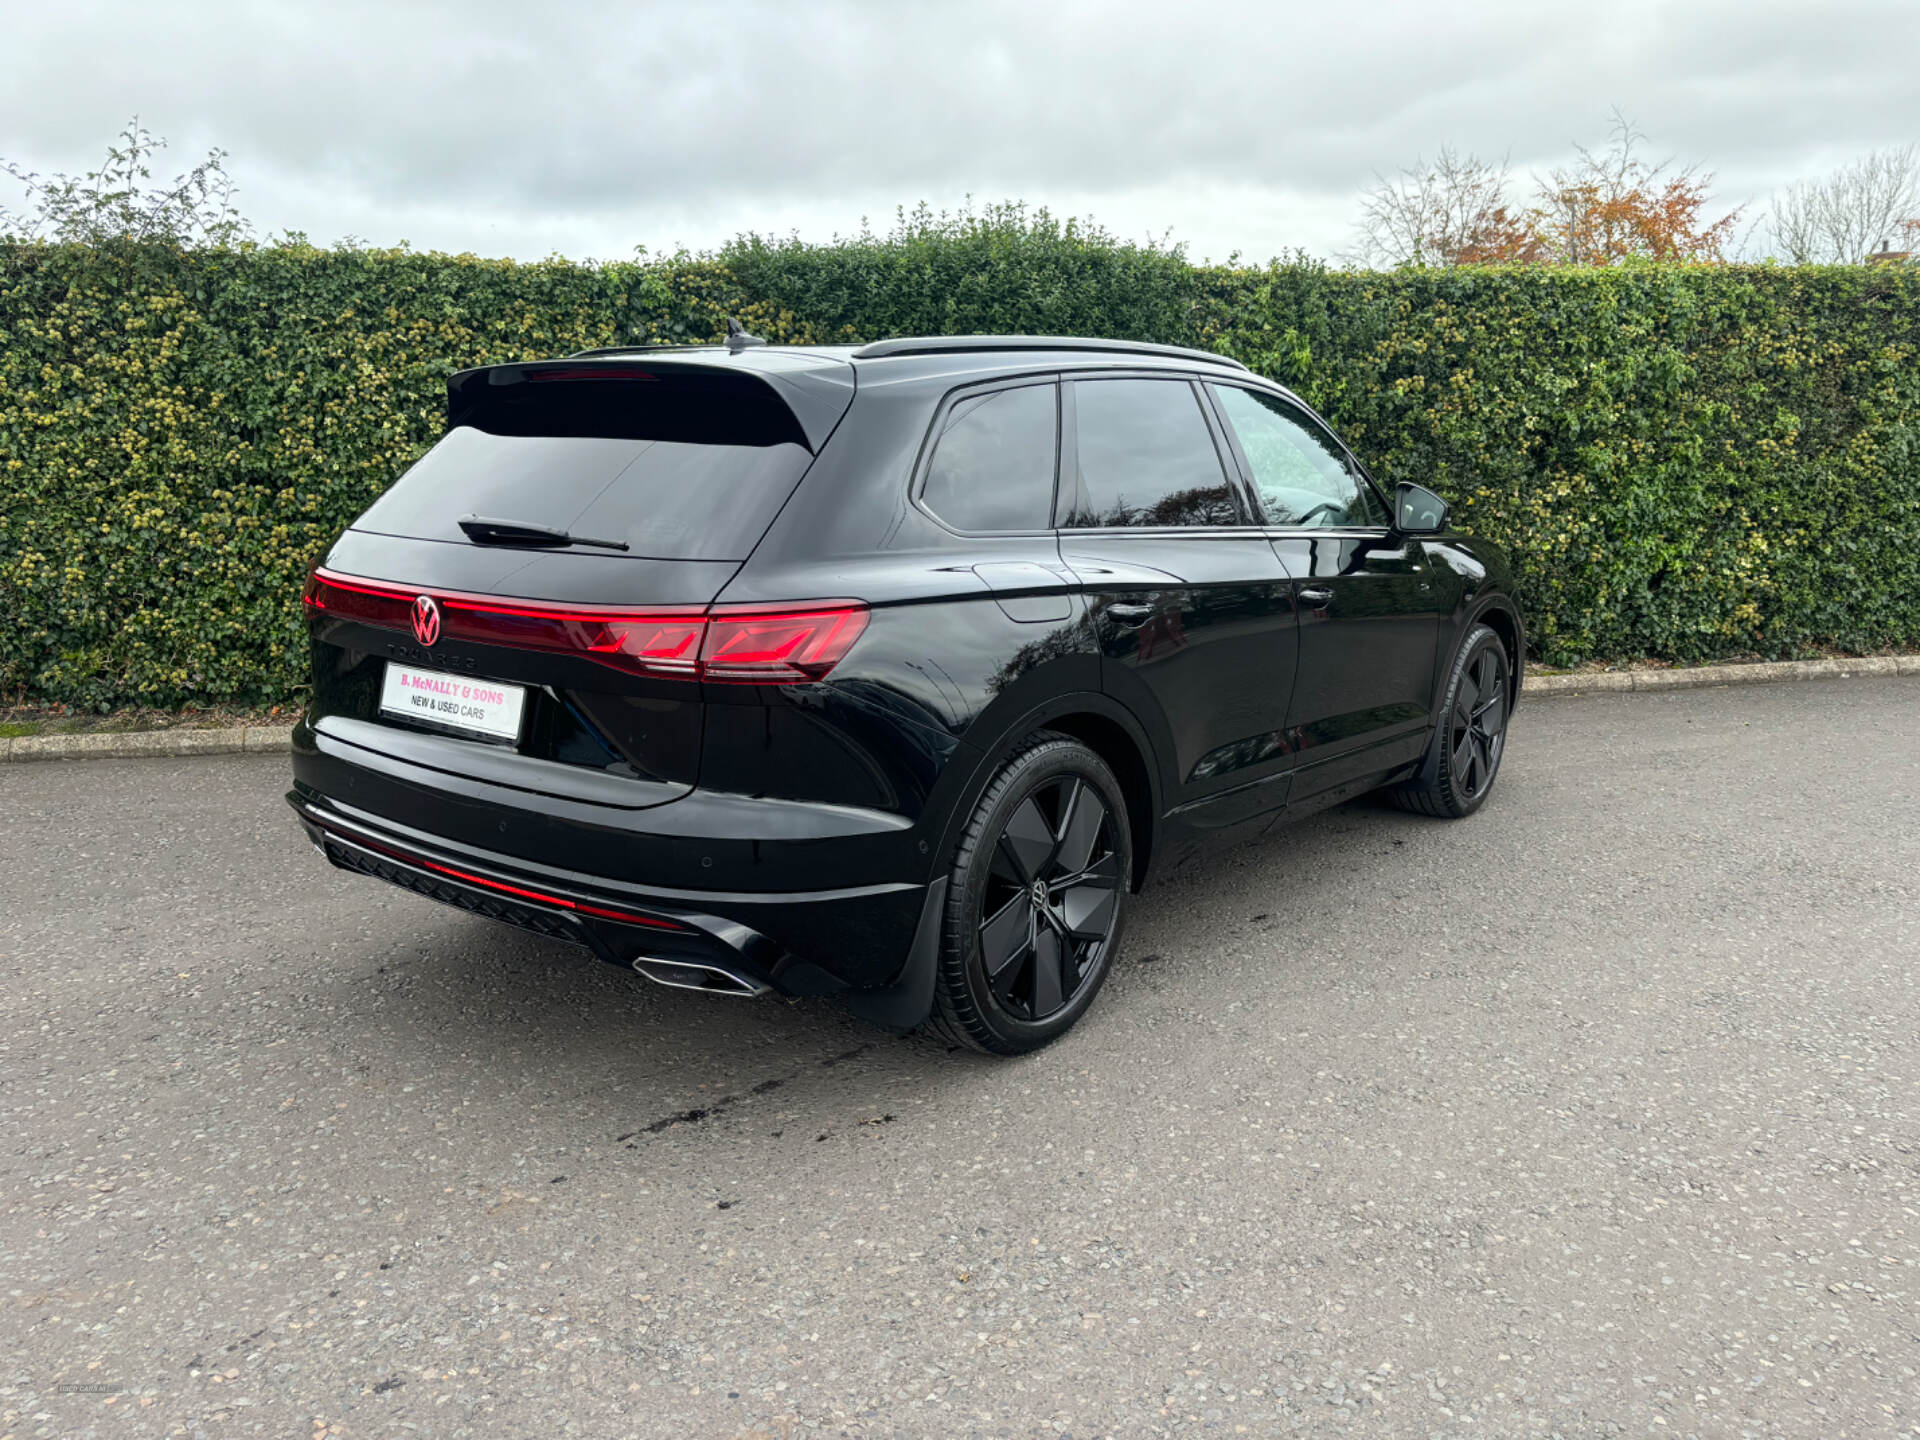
{"x": 782, "y": 645}
{"x": 778, "y": 646}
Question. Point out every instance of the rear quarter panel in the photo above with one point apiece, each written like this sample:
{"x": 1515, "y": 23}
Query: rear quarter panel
{"x": 946, "y": 673}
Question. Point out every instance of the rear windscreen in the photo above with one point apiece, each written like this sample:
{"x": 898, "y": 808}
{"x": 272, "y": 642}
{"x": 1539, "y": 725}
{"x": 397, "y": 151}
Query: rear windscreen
{"x": 680, "y": 468}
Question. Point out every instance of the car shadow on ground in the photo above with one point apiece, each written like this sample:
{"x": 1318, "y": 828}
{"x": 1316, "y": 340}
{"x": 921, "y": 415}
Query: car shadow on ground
{"x": 602, "y": 1048}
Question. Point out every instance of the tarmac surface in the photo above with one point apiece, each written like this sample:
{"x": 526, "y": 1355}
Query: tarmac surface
{"x": 1595, "y": 1114}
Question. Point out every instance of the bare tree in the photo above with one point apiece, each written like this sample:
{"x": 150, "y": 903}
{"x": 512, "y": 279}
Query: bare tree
{"x": 115, "y": 202}
{"x": 1454, "y": 211}
{"x": 1853, "y": 212}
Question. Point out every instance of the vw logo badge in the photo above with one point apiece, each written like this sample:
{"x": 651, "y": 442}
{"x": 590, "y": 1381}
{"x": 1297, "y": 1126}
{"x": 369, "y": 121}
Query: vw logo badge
{"x": 426, "y": 619}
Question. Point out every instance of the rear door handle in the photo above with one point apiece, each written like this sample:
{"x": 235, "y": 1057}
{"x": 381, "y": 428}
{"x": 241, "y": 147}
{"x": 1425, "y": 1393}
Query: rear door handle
{"x": 1316, "y": 597}
{"x": 1130, "y": 616}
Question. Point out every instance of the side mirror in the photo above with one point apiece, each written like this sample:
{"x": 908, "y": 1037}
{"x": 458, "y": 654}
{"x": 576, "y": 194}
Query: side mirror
{"x": 1417, "y": 510}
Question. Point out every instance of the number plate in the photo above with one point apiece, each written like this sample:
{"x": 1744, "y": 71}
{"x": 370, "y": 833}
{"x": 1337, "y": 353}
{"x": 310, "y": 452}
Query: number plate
{"x": 457, "y": 702}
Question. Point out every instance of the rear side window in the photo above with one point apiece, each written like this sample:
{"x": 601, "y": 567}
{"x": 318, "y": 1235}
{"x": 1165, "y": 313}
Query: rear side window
{"x": 1301, "y": 473}
{"x": 1146, "y": 458}
{"x": 993, "y": 462}
{"x": 678, "y": 468}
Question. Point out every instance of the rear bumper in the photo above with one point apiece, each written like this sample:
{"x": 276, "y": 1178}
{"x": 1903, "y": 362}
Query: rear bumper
{"x": 584, "y": 874}
{"x": 617, "y": 935}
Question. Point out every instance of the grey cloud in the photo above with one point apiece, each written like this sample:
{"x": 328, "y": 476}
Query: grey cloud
{"x": 480, "y": 119}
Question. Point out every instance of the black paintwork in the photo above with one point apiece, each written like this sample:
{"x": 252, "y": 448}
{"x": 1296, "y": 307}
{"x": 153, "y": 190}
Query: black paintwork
{"x": 1232, "y": 676}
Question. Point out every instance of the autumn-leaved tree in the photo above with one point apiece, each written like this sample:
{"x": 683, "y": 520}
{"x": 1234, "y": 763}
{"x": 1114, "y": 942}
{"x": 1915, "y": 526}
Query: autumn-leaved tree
{"x": 1614, "y": 205}
{"x": 1607, "y": 207}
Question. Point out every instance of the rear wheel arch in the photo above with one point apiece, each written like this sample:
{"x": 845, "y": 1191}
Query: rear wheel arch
{"x": 1112, "y": 742}
{"x": 1104, "y": 727}
{"x": 1035, "y": 906}
{"x": 1092, "y": 719}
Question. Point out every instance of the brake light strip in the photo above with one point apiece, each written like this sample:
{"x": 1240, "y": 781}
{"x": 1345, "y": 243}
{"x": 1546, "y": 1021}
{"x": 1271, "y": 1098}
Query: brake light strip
{"x": 750, "y": 644}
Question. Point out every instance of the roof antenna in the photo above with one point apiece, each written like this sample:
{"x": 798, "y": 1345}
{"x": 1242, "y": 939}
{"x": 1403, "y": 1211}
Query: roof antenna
{"x": 739, "y": 337}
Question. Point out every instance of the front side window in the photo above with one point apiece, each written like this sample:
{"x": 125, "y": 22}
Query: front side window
{"x": 1300, "y": 472}
{"x": 1147, "y": 458}
{"x": 993, "y": 462}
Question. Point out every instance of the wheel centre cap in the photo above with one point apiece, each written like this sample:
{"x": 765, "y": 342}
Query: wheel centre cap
{"x": 1039, "y": 894}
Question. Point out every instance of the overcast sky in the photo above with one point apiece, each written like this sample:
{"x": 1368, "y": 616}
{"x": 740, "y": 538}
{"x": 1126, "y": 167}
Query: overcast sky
{"x": 587, "y": 129}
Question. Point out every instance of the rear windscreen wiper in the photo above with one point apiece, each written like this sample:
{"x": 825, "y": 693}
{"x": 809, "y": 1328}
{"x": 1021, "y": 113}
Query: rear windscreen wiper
{"x": 483, "y": 531}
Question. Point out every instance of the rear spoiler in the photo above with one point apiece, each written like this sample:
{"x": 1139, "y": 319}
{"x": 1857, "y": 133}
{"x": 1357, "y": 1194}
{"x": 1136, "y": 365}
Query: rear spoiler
{"x": 813, "y": 390}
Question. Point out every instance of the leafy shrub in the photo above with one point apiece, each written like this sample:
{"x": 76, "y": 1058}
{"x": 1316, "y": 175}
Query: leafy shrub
{"x": 1686, "y": 462}
{"x": 1002, "y": 271}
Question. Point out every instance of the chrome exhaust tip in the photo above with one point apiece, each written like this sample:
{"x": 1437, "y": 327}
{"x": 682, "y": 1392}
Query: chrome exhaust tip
{"x": 691, "y": 975}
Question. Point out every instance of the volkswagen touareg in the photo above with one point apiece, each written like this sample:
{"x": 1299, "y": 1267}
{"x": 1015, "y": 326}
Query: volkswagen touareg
{"x": 889, "y": 671}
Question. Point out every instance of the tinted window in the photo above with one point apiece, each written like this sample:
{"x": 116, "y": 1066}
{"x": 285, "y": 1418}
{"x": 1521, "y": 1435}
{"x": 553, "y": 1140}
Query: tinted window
{"x": 993, "y": 463}
{"x": 1299, "y": 470}
{"x": 1147, "y": 457}
{"x": 668, "y": 499}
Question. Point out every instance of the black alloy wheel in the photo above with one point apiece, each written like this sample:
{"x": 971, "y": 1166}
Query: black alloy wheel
{"x": 1471, "y": 735}
{"x": 1052, "y": 894}
{"x": 1036, "y": 900}
{"x": 1478, "y": 722}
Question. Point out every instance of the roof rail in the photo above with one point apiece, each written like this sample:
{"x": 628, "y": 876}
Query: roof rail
{"x": 964, "y": 344}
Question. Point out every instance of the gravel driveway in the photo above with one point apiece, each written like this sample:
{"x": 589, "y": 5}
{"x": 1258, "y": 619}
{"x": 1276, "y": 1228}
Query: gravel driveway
{"x": 1594, "y": 1114}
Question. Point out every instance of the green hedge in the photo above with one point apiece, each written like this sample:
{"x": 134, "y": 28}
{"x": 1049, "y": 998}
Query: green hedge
{"x": 1688, "y": 463}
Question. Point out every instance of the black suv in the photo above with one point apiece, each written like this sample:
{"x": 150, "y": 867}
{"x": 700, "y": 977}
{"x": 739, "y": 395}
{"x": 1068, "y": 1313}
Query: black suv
{"x": 885, "y": 671}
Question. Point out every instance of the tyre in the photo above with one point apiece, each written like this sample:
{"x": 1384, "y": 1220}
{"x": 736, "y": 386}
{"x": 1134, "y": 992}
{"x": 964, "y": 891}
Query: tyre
{"x": 1470, "y": 736}
{"x": 1036, "y": 901}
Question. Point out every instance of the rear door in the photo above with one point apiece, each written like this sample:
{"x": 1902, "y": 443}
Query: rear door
{"x": 1191, "y": 603}
{"x": 991, "y": 476}
{"x": 1370, "y": 603}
